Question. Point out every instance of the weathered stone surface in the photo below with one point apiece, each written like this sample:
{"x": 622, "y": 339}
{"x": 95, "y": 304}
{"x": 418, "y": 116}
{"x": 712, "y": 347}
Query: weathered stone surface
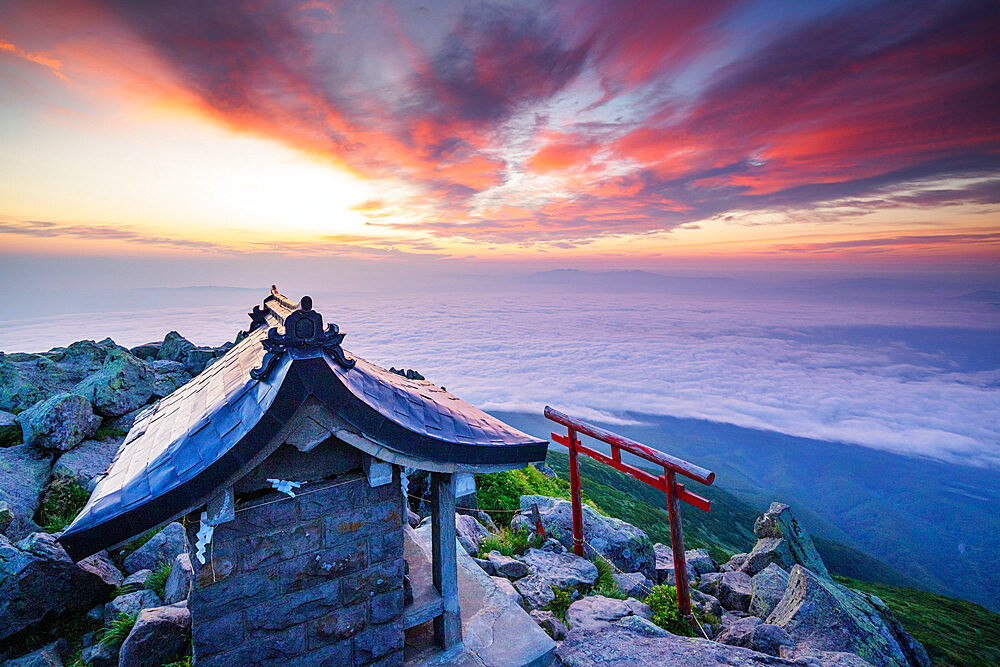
{"x": 123, "y": 384}
{"x": 6, "y": 516}
{"x": 24, "y": 472}
{"x": 735, "y": 563}
{"x": 59, "y": 423}
{"x": 174, "y": 347}
{"x": 38, "y": 580}
{"x": 130, "y": 604}
{"x": 564, "y": 570}
{"x": 47, "y": 656}
{"x": 595, "y": 611}
{"x": 505, "y": 566}
{"x": 123, "y": 422}
{"x": 547, "y": 621}
{"x": 766, "y": 589}
{"x": 767, "y": 551}
{"x": 779, "y": 523}
{"x": 635, "y": 642}
{"x": 699, "y": 562}
{"x": 161, "y": 548}
{"x": 10, "y": 430}
{"x": 486, "y": 565}
{"x": 136, "y": 580}
{"x": 770, "y": 639}
{"x": 625, "y": 545}
{"x": 100, "y": 565}
{"x": 169, "y": 376}
{"x": 821, "y": 615}
{"x": 707, "y": 603}
{"x": 87, "y": 461}
{"x": 160, "y": 635}
{"x": 198, "y": 359}
{"x": 470, "y": 533}
{"x": 634, "y": 584}
{"x": 535, "y": 590}
{"x": 179, "y": 580}
{"x": 100, "y": 655}
{"x": 508, "y": 589}
{"x": 147, "y": 351}
{"x": 739, "y": 631}
{"x": 734, "y": 591}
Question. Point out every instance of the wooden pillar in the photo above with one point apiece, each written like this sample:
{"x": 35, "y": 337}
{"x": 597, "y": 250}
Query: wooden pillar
{"x": 677, "y": 546}
{"x": 447, "y": 626}
{"x": 574, "y": 494}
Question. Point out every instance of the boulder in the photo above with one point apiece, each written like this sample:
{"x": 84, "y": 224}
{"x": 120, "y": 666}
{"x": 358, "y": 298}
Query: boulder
{"x": 698, "y": 562}
{"x": 122, "y": 385}
{"x": 505, "y": 566}
{"x": 553, "y": 545}
{"x": 470, "y": 533}
{"x": 160, "y": 635}
{"x": 635, "y": 642}
{"x": 734, "y": 591}
{"x": 47, "y": 656}
{"x": 821, "y": 615}
{"x": 198, "y": 359}
{"x": 709, "y": 583}
{"x": 136, "y": 580}
{"x": 779, "y": 523}
{"x": 101, "y": 565}
{"x": 738, "y": 631}
{"x": 10, "y": 430}
{"x": 26, "y": 379}
{"x": 535, "y": 590}
{"x": 508, "y": 589}
{"x": 634, "y": 584}
{"x": 59, "y": 423}
{"x": 130, "y": 604}
{"x": 770, "y": 639}
{"x": 625, "y": 545}
{"x": 486, "y": 565}
{"x": 123, "y": 422}
{"x": 768, "y": 551}
{"x": 707, "y": 603}
{"x": 563, "y": 571}
{"x": 100, "y": 655}
{"x": 766, "y": 589}
{"x": 88, "y": 461}
{"x": 147, "y": 351}
{"x": 161, "y": 548}
{"x": 179, "y": 580}
{"x": 736, "y": 562}
{"x": 548, "y": 622}
{"x": 24, "y": 473}
{"x": 664, "y": 559}
{"x": 174, "y": 347}
{"x": 595, "y": 611}
{"x": 169, "y": 376}
{"x": 6, "y": 516}
{"x": 38, "y": 581}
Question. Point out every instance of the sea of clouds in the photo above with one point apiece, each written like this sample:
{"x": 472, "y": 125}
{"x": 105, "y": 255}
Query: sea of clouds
{"x": 917, "y": 377}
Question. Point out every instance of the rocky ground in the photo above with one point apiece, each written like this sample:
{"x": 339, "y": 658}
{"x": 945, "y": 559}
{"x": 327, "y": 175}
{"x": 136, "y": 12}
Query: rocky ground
{"x": 63, "y": 415}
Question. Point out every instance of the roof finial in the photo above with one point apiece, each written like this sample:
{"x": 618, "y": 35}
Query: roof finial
{"x": 303, "y": 330}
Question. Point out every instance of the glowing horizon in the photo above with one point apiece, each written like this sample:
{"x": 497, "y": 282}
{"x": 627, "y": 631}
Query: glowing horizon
{"x": 758, "y": 131}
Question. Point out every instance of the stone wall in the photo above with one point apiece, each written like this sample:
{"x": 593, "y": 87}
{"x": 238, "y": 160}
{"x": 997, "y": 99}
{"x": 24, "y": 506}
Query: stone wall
{"x": 311, "y": 580}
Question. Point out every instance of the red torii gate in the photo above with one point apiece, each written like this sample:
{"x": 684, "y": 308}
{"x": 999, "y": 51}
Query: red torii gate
{"x": 666, "y": 482}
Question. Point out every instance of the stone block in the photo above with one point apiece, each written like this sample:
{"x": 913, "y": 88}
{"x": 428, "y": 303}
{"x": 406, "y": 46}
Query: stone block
{"x": 385, "y": 546}
{"x": 333, "y": 655}
{"x": 275, "y": 649}
{"x": 379, "y": 578}
{"x": 344, "y": 497}
{"x": 209, "y": 602}
{"x": 258, "y": 519}
{"x": 317, "y": 568}
{"x": 377, "y": 641}
{"x": 342, "y": 623}
{"x": 219, "y": 634}
{"x": 262, "y": 550}
{"x": 387, "y": 607}
{"x": 285, "y": 611}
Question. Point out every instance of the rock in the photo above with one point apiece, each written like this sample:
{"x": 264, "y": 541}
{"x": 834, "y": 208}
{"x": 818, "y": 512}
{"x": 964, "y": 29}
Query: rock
{"x": 698, "y": 562}
{"x": 130, "y": 604}
{"x": 739, "y": 632}
{"x": 487, "y": 521}
{"x": 169, "y": 376}
{"x": 24, "y": 473}
{"x": 26, "y": 379}
{"x": 766, "y": 589}
{"x": 124, "y": 422}
{"x": 486, "y": 565}
{"x": 548, "y": 622}
{"x": 88, "y": 461}
{"x": 6, "y": 516}
{"x": 198, "y": 359}
{"x": 634, "y": 642}
{"x": 179, "y": 581}
{"x": 10, "y": 430}
{"x": 595, "y": 611}
{"x": 509, "y": 590}
{"x": 634, "y": 584}
{"x": 625, "y": 545}
{"x": 563, "y": 571}
{"x": 707, "y": 603}
{"x": 59, "y": 423}
{"x": 506, "y": 566}
{"x": 770, "y": 639}
{"x": 779, "y": 523}
{"x": 830, "y": 659}
{"x": 100, "y": 564}
{"x": 734, "y": 591}
{"x": 174, "y": 347}
{"x": 821, "y": 615}
{"x": 767, "y": 551}
{"x": 136, "y": 580}
{"x": 735, "y": 563}
{"x": 413, "y": 518}
{"x": 535, "y": 590}
{"x": 38, "y": 581}
{"x": 470, "y": 533}
{"x": 160, "y": 635}
{"x": 147, "y": 351}
{"x": 161, "y": 548}
{"x": 553, "y": 545}
{"x": 709, "y": 583}
{"x": 100, "y": 655}
{"x": 123, "y": 384}
{"x": 47, "y": 656}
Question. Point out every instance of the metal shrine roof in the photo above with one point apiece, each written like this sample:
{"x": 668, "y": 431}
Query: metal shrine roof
{"x": 206, "y": 435}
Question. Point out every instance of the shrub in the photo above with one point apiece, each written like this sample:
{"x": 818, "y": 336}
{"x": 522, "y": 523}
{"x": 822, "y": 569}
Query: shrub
{"x": 118, "y": 630}
{"x": 499, "y": 493}
{"x": 560, "y": 605}
{"x": 157, "y": 581}
{"x": 63, "y": 500}
{"x": 663, "y": 600}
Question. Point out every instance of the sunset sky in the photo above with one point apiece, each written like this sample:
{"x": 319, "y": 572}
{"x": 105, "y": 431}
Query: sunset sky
{"x": 608, "y": 133}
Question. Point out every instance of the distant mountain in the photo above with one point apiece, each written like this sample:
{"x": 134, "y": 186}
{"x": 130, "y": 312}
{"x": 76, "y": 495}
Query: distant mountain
{"x": 629, "y": 280}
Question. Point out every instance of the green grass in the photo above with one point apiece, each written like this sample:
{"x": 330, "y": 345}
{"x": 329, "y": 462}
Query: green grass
{"x": 663, "y": 601}
{"x": 63, "y": 500}
{"x": 104, "y": 433}
{"x": 606, "y": 584}
{"x": 509, "y": 542}
{"x": 157, "y": 581}
{"x": 560, "y": 604}
{"x": 499, "y": 493}
{"x": 954, "y": 632}
{"x": 118, "y": 630}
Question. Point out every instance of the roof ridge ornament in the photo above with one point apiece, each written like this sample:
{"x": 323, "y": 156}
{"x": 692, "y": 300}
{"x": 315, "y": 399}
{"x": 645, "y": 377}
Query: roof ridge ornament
{"x": 303, "y": 331}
